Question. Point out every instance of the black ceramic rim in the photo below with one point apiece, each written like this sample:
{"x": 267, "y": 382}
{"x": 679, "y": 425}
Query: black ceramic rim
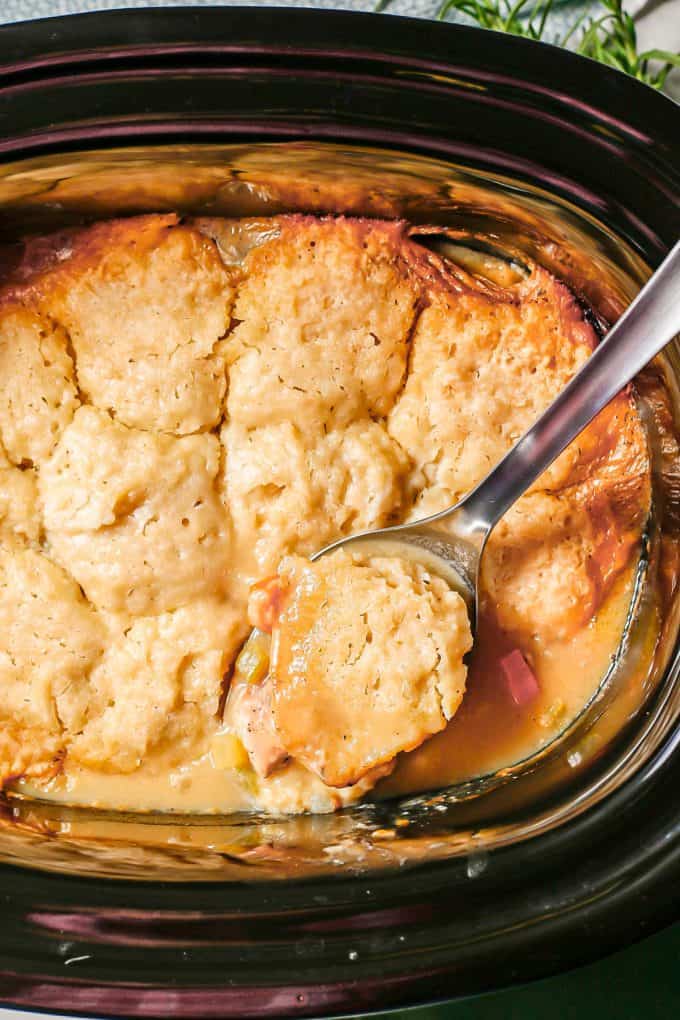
{"x": 326, "y": 946}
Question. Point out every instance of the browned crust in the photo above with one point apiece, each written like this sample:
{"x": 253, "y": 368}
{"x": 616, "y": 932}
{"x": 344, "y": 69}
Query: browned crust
{"x": 611, "y": 477}
{"x": 79, "y": 247}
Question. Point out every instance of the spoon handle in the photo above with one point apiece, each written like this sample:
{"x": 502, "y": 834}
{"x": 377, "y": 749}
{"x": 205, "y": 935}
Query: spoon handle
{"x": 647, "y": 325}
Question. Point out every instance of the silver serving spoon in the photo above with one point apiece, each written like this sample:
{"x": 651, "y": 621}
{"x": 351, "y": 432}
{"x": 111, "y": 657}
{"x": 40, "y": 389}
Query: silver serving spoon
{"x": 647, "y": 325}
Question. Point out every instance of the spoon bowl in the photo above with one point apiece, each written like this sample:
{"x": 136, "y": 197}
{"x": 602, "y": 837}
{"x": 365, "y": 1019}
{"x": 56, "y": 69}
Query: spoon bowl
{"x": 452, "y": 542}
{"x": 453, "y": 552}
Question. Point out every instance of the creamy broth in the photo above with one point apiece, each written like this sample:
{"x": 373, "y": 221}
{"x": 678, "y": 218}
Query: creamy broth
{"x": 488, "y": 733}
{"x": 346, "y": 378}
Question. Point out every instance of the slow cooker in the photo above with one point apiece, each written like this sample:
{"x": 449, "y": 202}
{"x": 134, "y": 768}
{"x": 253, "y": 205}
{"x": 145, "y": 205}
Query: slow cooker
{"x": 221, "y": 111}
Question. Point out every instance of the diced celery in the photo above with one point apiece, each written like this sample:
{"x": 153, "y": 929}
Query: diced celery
{"x": 253, "y": 662}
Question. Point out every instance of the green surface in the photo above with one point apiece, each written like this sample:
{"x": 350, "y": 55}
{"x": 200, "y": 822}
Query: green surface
{"x": 640, "y": 983}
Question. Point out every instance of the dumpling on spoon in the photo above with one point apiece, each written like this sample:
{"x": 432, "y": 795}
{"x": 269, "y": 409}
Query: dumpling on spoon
{"x": 366, "y": 662}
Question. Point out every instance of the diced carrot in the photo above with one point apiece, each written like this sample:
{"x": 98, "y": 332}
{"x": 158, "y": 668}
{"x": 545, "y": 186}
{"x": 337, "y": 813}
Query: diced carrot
{"x": 519, "y": 677}
{"x": 266, "y": 602}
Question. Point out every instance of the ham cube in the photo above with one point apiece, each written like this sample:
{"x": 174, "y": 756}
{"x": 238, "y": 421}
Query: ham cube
{"x": 519, "y": 677}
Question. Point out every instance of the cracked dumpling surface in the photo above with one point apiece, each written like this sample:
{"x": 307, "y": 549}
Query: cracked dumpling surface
{"x": 367, "y": 661}
{"x": 275, "y": 504}
{"x": 536, "y": 569}
{"x": 20, "y": 517}
{"x": 364, "y": 472}
{"x": 552, "y": 558}
{"x": 323, "y": 317}
{"x": 135, "y": 516}
{"x": 481, "y": 372}
{"x": 288, "y": 492}
{"x": 49, "y": 640}
{"x": 155, "y": 689}
{"x": 146, "y": 303}
{"x": 37, "y": 390}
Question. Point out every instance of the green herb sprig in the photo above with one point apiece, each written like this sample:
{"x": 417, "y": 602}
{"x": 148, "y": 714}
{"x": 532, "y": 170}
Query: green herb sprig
{"x": 522, "y": 17}
{"x": 610, "y": 37}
